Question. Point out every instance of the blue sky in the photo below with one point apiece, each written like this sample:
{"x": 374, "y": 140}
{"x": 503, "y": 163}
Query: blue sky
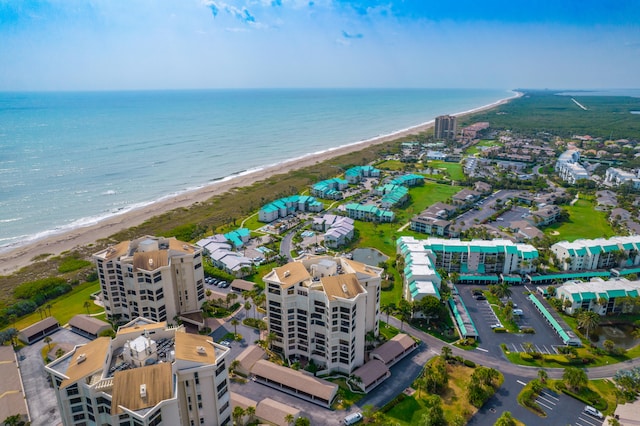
{"x": 171, "y": 44}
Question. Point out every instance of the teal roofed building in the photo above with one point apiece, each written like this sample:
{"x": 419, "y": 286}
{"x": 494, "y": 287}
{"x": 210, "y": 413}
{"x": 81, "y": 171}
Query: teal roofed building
{"x": 239, "y": 237}
{"x": 330, "y": 189}
{"x": 289, "y": 205}
{"x": 357, "y": 173}
{"x": 369, "y": 213}
{"x": 392, "y": 195}
{"x": 599, "y": 253}
{"x": 597, "y": 295}
{"x": 409, "y": 180}
{"x": 420, "y": 277}
{"x": 480, "y": 257}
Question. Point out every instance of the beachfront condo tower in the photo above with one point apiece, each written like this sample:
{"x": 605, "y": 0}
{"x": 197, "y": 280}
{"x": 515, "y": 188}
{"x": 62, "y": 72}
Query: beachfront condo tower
{"x": 321, "y": 308}
{"x": 154, "y": 277}
{"x": 150, "y": 374}
{"x": 446, "y": 127}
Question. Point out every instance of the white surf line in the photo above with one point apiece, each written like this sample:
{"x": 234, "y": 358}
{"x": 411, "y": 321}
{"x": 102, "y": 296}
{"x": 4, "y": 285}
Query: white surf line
{"x": 483, "y": 350}
{"x": 579, "y": 104}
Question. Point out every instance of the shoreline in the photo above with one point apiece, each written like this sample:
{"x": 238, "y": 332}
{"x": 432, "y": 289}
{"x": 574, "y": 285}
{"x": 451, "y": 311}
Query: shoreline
{"x": 21, "y": 255}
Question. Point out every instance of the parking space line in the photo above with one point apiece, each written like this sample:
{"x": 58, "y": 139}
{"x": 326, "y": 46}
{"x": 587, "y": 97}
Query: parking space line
{"x": 515, "y": 349}
{"x": 549, "y": 396}
{"x": 522, "y": 383}
{"x": 588, "y": 420}
{"x": 547, "y": 400}
{"x": 544, "y": 405}
{"x": 483, "y": 350}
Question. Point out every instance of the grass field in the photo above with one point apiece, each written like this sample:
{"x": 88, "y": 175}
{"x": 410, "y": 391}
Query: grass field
{"x": 66, "y": 306}
{"x": 453, "y": 170}
{"x": 584, "y": 222}
{"x": 393, "y": 165}
{"x": 483, "y": 143}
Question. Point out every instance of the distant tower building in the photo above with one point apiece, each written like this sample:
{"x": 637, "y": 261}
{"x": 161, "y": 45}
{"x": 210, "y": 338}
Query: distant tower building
{"x": 446, "y": 127}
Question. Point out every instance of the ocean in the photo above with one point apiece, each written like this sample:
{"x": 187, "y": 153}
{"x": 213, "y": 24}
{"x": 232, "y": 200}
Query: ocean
{"x": 70, "y": 159}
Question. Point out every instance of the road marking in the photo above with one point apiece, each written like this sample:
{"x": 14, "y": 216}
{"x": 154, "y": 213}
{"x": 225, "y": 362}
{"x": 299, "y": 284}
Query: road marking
{"x": 522, "y": 383}
{"x": 483, "y": 350}
{"x": 515, "y": 349}
{"x": 549, "y": 396}
{"x": 547, "y": 400}
{"x": 588, "y": 420}
{"x": 544, "y": 405}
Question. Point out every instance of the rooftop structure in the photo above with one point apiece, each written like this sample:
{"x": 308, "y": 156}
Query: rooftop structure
{"x": 614, "y": 176}
{"x": 159, "y": 278}
{"x": 149, "y": 374}
{"x": 321, "y": 308}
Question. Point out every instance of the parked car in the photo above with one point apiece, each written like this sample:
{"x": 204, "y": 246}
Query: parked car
{"x": 496, "y": 325}
{"x": 593, "y": 412}
{"x": 353, "y": 418}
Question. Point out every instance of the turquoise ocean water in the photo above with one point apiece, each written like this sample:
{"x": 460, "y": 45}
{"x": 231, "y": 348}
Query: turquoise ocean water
{"x": 71, "y": 159}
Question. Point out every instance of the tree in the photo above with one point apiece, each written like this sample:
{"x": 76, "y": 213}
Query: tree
{"x": 48, "y": 341}
{"x": 528, "y": 346}
{"x": 250, "y": 411}
{"x": 575, "y": 377}
{"x": 234, "y": 364}
{"x": 404, "y": 309}
{"x": 501, "y": 290}
{"x": 234, "y": 323}
{"x": 289, "y": 419}
{"x": 543, "y": 376}
{"x": 434, "y": 415}
{"x": 430, "y": 307}
{"x": 446, "y": 352}
{"x": 12, "y": 334}
{"x": 388, "y": 309}
{"x": 302, "y": 421}
{"x": 86, "y": 305}
{"x": 609, "y": 345}
{"x": 485, "y": 375}
{"x": 247, "y": 307}
{"x": 59, "y": 352}
{"x": 237, "y": 414}
{"x": 588, "y": 320}
{"x": 13, "y": 420}
{"x": 506, "y": 419}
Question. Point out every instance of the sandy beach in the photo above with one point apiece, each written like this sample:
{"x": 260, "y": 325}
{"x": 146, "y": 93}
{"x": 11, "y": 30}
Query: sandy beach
{"x": 21, "y": 256}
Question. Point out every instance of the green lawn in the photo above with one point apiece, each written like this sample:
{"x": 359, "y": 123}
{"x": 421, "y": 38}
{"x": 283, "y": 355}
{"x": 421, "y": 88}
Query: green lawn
{"x": 476, "y": 148}
{"x": 453, "y": 170}
{"x": 584, "y": 222}
{"x": 394, "y": 165}
{"x": 66, "y": 306}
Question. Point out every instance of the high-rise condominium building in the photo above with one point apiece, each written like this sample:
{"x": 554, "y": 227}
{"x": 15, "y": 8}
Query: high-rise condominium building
{"x": 148, "y": 375}
{"x": 157, "y": 278}
{"x": 446, "y": 127}
{"x": 321, "y": 308}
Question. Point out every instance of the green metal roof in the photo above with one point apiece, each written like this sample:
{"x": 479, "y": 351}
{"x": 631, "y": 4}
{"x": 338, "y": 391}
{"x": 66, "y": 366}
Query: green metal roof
{"x": 617, "y": 293}
{"x": 595, "y": 250}
{"x": 576, "y": 297}
{"x": 455, "y": 249}
{"x": 530, "y": 254}
{"x": 563, "y": 335}
{"x": 628, "y": 246}
{"x": 629, "y": 271}
{"x": 581, "y": 251}
{"x": 492, "y": 278}
{"x": 588, "y": 295}
{"x": 610, "y": 248}
{"x": 512, "y": 250}
{"x": 511, "y": 279}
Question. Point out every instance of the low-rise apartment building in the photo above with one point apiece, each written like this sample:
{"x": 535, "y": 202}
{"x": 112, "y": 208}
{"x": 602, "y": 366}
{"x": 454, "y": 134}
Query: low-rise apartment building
{"x": 330, "y": 189}
{"x": 599, "y": 253}
{"x": 369, "y": 213}
{"x": 599, "y": 296}
{"x": 356, "y": 174}
{"x": 569, "y": 168}
{"x": 283, "y": 207}
{"x": 433, "y": 221}
{"x": 420, "y": 278}
{"x": 320, "y": 308}
{"x": 338, "y": 230}
{"x": 155, "y": 277}
{"x": 148, "y": 375}
{"x": 615, "y": 176}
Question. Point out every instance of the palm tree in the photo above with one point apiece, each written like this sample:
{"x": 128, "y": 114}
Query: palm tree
{"x": 12, "y": 333}
{"x": 237, "y": 414}
{"x": 528, "y": 346}
{"x": 13, "y": 420}
{"x": 48, "y": 341}
{"x": 588, "y": 320}
{"x": 289, "y": 419}
{"x": 86, "y": 305}
{"x": 250, "y": 411}
{"x": 48, "y": 306}
{"x": 405, "y": 312}
{"x": 247, "y": 307}
{"x": 445, "y": 352}
{"x": 575, "y": 377}
{"x": 234, "y": 364}
{"x": 543, "y": 376}
{"x": 234, "y": 323}
{"x": 388, "y": 309}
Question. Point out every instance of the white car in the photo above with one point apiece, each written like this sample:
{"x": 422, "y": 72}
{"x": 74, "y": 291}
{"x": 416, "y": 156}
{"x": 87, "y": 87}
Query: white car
{"x": 353, "y": 418}
{"x": 496, "y": 325}
{"x": 593, "y": 412}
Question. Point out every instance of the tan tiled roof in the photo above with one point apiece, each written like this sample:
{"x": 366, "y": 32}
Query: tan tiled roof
{"x": 114, "y": 252}
{"x": 371, "y": 371}
{"x": 89, "y": 324}
{"x": 194, "y": 347}
{"x": 178, "y": 245}
{"x": 275, "y": 412}
{"x": 291, "y": 274}
{"x": 86, "y": 360}
{"x": 12, "y": 401}
{"x": 243, "y": 285}
{"x": 295, "y": 379}
{"x": 242, "y": 401}
{"x": 158, "y": 381}
{"x": 345, "y": 286}
{"x": 390, "y": 350}
{"x": 362, "y": 268}
{"x": 140, "y": 328}
{"x": 150, "y": 260}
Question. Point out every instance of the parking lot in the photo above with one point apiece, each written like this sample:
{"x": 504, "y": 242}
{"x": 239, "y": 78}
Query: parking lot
{"x": 544, "y": 339}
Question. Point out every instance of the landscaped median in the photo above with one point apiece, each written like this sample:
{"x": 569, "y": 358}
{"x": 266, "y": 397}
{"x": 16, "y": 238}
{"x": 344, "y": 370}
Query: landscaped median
{"x": 583, "y": 357}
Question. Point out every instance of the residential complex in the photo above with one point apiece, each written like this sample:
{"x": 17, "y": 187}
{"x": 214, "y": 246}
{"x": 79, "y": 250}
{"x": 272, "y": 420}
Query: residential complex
{"x": 148, "y": 375}
{"x": 356, "y": 174}
{"x": 330, "y": 189}
{"x": 445, "y": 127}
{"x": 602, "y": 297}
{"x": 600, "y": 253}
{"x": 155, "y": 277}
{"x": 320, "y": 308}
{"x": 420, "y": 276}
{"x": 369, "y": 213}
{"x": 478, "y": 256}
{"x": 220, "y": 251}
{"x": 392, "y": 195}
{"x": 569, "y": 168}
{"x": 338, "y": 230}
{"x": 617, "y": 177}
{"x": 283, "y": 207}
{"x": 433, "y": 220}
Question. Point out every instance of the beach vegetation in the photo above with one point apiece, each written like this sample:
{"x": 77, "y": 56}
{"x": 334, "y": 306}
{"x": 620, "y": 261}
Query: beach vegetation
{"x": 73, "y": 263}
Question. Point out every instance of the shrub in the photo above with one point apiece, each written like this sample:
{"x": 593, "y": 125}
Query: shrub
{"x": 73, "y": 264}
{"x": 499, "y": 330}
{"x": 526, "y": 356}
{"x": 469, "y": 363}
{"x": 528, "y": 330}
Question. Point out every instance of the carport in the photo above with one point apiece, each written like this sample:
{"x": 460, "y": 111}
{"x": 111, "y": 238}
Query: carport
{"x": 478, "y": 279}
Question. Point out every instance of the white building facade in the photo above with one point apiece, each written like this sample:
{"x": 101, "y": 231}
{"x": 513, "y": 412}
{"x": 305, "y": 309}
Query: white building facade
{"x": 569, "y": 168}
{"x": 320, "y": 308}
{"x": 158, "y": 278}
{"x": 148, "y": 375}
{"x": 599, "y": 253}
